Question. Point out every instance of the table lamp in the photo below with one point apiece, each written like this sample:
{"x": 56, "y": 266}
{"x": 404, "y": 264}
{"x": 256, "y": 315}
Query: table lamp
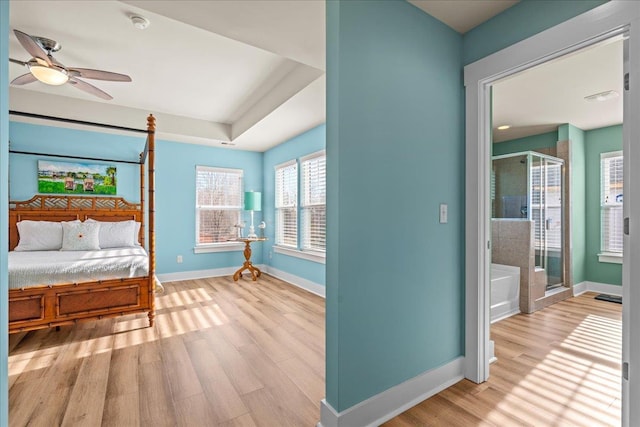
{"x": 252, "y": 202}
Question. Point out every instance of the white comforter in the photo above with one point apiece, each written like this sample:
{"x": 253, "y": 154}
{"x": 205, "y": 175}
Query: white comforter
{"x": 51, "y": 267}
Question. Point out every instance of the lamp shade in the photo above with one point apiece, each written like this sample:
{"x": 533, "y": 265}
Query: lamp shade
{"x": 49, "y": 75}
{"x": 252, "y": 201}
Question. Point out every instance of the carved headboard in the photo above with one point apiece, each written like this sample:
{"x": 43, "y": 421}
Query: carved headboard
{"x": 69, "y": 208}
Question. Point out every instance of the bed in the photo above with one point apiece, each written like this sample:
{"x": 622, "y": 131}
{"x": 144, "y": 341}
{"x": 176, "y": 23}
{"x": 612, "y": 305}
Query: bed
{"x": 55, "y": 288}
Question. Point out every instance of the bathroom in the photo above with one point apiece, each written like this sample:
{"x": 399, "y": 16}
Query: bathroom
{"x": 555, "y": 196}
{"x": 527, "y": 233}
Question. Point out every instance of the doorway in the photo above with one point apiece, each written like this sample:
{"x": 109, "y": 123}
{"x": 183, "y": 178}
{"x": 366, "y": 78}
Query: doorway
{"x": 531, "y": 207}
{"x": 549, "y": 127}
{"x": 609, "y": 20}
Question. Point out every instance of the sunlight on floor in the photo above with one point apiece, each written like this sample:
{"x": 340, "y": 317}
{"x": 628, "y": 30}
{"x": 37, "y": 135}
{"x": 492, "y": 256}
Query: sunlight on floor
{"x": 591, "y": 353}
{"x": 177, "y": 312}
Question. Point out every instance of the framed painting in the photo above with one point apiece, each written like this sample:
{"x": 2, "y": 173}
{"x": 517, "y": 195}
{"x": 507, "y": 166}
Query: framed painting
{"x": 76, "y": 178}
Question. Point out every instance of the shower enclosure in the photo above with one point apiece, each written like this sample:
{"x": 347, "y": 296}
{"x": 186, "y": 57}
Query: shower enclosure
{"x": 529, "y": 186}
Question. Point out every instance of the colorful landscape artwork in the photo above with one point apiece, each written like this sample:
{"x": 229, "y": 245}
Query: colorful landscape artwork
{"x": 76, "y": 178}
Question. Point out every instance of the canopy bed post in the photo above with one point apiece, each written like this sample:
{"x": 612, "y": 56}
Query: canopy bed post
{"x": 151, "y": 129}
{"x": 141, "y": 236}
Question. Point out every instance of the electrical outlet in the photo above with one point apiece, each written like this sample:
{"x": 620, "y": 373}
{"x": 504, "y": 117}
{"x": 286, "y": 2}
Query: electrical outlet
{"x": 179, "y": 259}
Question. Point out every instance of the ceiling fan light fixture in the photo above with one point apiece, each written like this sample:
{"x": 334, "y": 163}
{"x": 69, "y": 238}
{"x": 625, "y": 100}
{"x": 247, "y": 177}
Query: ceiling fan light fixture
{"x": 49, "y": 75}
{"x": 504, "y": 127}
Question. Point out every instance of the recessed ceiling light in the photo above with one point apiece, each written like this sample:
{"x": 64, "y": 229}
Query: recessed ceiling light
{"x": 504, "y": 127}
{"x": 140, "y": 22}
{"x": 602, "y": 96}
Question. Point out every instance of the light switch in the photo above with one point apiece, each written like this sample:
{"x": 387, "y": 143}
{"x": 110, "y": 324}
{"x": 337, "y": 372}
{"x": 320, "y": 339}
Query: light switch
{"x": 443, "y": 213}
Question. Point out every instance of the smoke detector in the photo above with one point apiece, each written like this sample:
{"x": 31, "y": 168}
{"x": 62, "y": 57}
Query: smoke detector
{"x": 140, "y": 22}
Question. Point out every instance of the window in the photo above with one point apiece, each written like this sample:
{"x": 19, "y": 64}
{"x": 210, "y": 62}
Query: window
{"x": 546, "y": 203}
{"x": 312, "y": 202}
{"x": 301, "y": 218}
{"x": 286, "y": 204}
{"x": 218, "y": 204}
{"x": 611, "y": 202}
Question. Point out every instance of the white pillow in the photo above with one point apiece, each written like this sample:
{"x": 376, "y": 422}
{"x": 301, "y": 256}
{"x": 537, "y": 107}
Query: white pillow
{"x": 39, "y": 236}
{"x": 80, "y": 236}
{"x": 117, "y": 234}
{"x": 136, "y": 235}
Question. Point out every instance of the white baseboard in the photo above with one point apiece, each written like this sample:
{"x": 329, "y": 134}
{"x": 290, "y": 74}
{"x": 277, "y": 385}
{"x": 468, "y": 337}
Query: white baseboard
{"x": 503, "y": 316}
{"x": 579, "y": 288}
{"x": 298, "y": 281}
{"x": 386, "y": 405}
{"x": 601, "y": 288}
{"x": 196, "y": 274}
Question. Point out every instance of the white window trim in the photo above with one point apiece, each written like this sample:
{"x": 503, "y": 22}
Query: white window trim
{"x": 285, "y": 164}
{"x": 315, "y": 256}
{"x": 610, "y": 154}
{"x": 220, "y": 246}
{"x": 610, "y": 257}
{"x": 320, "y": 153}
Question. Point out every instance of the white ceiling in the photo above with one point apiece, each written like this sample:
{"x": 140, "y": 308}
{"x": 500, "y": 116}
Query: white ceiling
{"x": 540, "y": 99}
{"x": 212, "y": 72}
{"x": 463, "y": 15}
{"x": 249, "y": 74}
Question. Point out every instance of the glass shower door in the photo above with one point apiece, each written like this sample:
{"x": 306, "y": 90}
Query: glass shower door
{"x": 546, "y": 213}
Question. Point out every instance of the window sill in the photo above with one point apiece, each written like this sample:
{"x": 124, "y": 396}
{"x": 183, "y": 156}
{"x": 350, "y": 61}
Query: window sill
{"x": 318, "y": 257}
{"x": 610, "y": 257}
{"x": 218, "y": 247}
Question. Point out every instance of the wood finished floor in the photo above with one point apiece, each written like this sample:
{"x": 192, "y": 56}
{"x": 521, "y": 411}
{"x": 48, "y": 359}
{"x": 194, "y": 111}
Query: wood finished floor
{"x": 557, "y": 367}
{"x": 246, "y": 354}
{"x": 221, "y": 354}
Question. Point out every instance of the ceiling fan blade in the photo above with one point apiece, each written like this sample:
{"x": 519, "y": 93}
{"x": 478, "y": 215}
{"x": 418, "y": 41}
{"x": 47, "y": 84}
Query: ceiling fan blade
{"x": 89, "y": 88}
{"x": 31, "y": 46}
{"x": 15, "y": 61}
{"x": 23, "y": 79}
{"x": 88, "y": 73}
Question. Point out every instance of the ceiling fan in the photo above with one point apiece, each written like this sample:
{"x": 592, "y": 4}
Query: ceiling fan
{"x": 43, "y": 67}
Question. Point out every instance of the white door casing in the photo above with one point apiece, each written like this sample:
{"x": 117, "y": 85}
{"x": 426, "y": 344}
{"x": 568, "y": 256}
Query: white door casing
{"x": 608, "y": 20}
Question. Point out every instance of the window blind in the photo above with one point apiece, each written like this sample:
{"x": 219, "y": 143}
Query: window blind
{"x": 286, "y": 232}
{"x": 546, "y": 204}
{"x": 313, "y": 202}
{"x": 218, "y": 203}
{"x": 611, "y": 199}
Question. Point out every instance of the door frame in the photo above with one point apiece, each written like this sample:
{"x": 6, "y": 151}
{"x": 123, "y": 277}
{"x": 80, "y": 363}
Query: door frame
{"x": 606, "y": 21}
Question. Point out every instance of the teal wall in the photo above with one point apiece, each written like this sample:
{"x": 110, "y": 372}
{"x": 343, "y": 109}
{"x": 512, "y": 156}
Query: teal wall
{"x": 598, "y": 141}
{"x": 395, "y": 146}
{"x": 523, "y": 20}
{"x": 4, "y": 208}
{"x": 175, "y": 183}
{"x": 587, "y": 146}
{"x": 306, "y": 143}
{"x": 578, "y": 199}
{"x": 55, "y": 140}
{"x": 176, "y": 199}
{"x": 332, "y": 268}
{"x": 535, "y": 142}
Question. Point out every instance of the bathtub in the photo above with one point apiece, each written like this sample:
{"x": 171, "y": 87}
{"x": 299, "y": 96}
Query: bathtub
{"x": 505, "y": 291}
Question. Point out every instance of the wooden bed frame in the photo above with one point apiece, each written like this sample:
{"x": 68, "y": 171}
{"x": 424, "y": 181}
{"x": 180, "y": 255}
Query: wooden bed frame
{"x": 67, "y": 303}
